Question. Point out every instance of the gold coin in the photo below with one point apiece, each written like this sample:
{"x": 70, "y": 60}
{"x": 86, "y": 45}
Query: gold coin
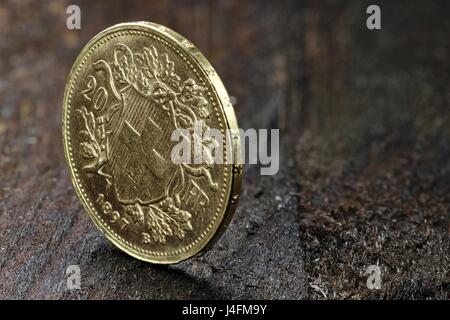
{"x": 131, "y": 87}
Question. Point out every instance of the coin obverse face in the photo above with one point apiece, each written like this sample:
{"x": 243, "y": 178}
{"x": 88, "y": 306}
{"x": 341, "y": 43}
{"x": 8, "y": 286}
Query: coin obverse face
{"x": 131, "y": 87}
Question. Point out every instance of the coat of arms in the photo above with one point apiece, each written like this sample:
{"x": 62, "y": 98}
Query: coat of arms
{"x": 126, "y": 138}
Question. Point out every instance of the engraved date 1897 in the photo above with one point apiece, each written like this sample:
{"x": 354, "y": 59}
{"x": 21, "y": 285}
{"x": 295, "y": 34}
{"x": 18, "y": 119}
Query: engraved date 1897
{"x": 112, "y": 215}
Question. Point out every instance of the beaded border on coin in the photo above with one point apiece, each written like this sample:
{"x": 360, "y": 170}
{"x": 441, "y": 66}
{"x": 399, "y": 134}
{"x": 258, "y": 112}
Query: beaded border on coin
{"x": 183, "y": 47}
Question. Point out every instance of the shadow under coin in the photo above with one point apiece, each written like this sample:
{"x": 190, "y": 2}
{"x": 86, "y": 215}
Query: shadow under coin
{"x": 111, "y": 274}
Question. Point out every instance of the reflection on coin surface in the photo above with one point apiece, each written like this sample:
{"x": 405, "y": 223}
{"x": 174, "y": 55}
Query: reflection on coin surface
{"x": 130, "y": 88}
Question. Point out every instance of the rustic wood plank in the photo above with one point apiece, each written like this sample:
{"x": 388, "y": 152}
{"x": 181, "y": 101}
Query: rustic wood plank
{"x": 364, "y": 152}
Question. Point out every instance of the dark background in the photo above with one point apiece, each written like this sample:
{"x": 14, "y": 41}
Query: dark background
{"x": 365, "y": 152}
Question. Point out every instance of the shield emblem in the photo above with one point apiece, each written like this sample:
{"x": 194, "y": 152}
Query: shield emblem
{"x": 140, "y": 149}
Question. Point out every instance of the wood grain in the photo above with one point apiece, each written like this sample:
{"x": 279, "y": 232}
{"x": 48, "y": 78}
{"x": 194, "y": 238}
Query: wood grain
{"x": 364, "y": 163}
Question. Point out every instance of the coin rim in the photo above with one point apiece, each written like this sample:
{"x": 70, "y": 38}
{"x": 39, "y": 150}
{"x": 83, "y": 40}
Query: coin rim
{"x": 209, "y": 74}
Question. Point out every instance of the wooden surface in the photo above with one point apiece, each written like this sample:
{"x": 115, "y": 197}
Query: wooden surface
{"x": 365, "y": 154}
